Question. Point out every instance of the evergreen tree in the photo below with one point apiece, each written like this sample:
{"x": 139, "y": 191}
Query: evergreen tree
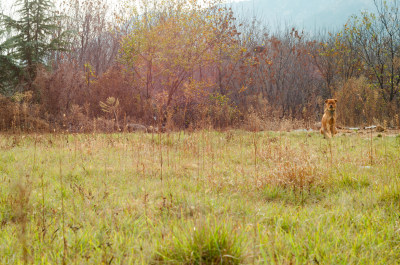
{"x": 35, "y": 35}
{"x": 9, "y": 70}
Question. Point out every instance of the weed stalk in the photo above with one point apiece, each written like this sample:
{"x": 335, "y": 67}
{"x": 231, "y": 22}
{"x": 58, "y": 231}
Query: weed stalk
{"x": 43, "y": 215}
{"x": 63, "y": 215}
{"x": 370, "y": 154}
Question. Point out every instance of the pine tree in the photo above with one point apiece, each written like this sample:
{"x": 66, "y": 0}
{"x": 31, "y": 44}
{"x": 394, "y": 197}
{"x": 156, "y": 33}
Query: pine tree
{"x": 34, "y": 36}
{"x": 9, "y": 70}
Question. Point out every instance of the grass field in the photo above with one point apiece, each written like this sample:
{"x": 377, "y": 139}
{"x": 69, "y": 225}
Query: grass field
{"x": 200, "y": 198}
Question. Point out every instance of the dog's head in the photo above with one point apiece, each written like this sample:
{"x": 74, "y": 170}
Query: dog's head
{"x": 330, "y": 104}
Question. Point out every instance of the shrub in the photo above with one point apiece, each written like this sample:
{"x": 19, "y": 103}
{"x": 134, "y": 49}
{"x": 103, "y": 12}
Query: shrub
{"x": 61, "y": 89}
{"x": 19, "y": 113}
{"x": 361, "y": 103}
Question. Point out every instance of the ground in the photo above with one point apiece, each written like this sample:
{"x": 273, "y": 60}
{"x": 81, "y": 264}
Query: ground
{"x": 200, "y": 198}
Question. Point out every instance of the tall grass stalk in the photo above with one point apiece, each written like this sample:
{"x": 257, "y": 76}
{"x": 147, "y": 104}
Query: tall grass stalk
{"x": 43, "y": 210}
{"x": 161, "y": 156}
{"x": 331, "y": 153}
{"x": 255, "y": 156}
{"x": 198, "y": 157}
{"x": 22, "y": 217}
{"x": 34, "y": 154}
{"x": 62, "y": 191}
{"x": 371, "y": 149}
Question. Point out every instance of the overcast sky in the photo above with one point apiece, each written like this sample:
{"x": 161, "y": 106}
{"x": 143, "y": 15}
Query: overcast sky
{"x": 302, "y": 13}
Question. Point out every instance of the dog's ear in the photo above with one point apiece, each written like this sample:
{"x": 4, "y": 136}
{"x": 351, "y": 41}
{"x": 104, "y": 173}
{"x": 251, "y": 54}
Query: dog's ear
{"x": 335, "y": 100}
{"x": 326, "y": 101}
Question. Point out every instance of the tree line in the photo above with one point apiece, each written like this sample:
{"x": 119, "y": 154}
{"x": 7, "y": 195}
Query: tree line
{"x": 182, "y": 64}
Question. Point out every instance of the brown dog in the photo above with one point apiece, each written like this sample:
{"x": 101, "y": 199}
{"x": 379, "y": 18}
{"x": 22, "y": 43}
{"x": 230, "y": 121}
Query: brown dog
{"x": 328, "y": 123}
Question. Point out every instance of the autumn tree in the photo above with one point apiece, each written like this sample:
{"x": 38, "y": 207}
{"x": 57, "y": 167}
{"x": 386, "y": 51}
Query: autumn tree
{"x": 283, "y": 72}
{"x": 377, "y": 40}
{"x": 228, "y": 51}
{"x": 95, "y": 42}
{"x": 173, "y": 46}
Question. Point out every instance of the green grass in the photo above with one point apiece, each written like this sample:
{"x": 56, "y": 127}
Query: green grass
{"x": 199, "y": 198}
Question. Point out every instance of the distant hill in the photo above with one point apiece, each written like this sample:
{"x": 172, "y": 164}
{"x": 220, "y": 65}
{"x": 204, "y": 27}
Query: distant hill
{"x": 307, "y": 14}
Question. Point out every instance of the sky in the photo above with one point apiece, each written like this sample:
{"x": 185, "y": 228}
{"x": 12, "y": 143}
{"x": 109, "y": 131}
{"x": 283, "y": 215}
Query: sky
{"x": 308, "y": 14}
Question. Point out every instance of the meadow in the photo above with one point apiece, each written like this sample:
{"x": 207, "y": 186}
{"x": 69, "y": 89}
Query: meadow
{"x": 204, "y": 197}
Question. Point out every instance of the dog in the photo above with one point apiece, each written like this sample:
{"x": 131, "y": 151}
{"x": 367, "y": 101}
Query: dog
{"x": 328, "y": 123}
